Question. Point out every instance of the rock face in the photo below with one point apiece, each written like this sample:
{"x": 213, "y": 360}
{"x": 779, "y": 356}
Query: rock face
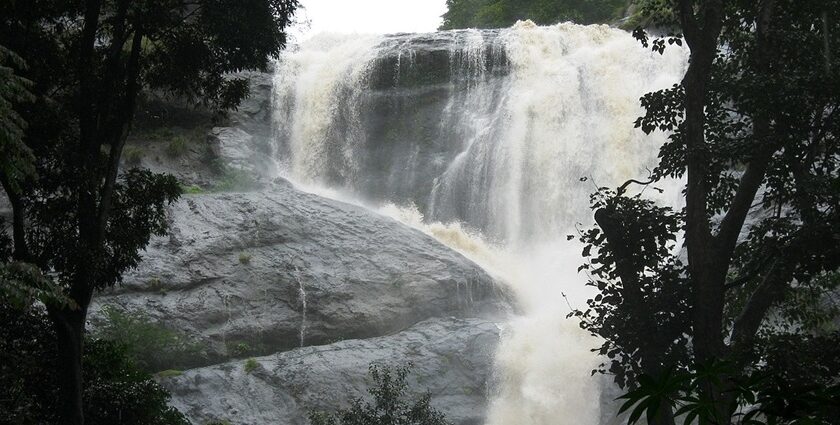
{"x": 451, "y": 359}
{"x": 245, "y": 143}
{"x": 321, "y": 288}
{"x": 279, "y": 269}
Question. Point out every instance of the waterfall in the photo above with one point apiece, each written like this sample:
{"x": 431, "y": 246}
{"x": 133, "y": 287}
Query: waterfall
{"x": 482, "y": 138}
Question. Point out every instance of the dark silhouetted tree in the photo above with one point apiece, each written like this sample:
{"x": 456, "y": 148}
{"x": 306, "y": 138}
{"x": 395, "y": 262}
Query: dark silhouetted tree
{"x": 753, "y": 130}
{"x": 83, "y": 220}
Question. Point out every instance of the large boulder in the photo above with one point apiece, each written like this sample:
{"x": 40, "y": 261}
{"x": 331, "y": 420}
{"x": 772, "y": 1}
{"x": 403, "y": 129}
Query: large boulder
{"x": 451, "y": 358}
{"x": 281, "y": 268}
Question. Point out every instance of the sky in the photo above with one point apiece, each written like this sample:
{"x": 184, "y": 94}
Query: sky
{"x": 372, "y": 16}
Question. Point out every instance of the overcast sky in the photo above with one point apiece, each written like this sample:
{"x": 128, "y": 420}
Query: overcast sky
{"x": 372, "y": 16}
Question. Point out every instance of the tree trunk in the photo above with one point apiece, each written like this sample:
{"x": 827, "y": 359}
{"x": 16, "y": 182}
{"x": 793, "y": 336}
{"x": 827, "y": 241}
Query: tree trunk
{"x": 69, "y": 326}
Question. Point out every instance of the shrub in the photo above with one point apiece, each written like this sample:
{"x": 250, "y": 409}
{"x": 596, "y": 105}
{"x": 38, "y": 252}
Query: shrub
{"x": 153, "y": 347}
{"x": 244, "y": 258}
{"x": 115, "y": 390}
{"x": 391, "y": 405}
{"x": 192, "y": 190}
{"x": 238, "y": 349}
{"x": 177, "y": 147}
{"x": 251, "y": 365}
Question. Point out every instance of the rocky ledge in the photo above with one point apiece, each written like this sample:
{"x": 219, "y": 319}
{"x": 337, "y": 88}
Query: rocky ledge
{"x": 451, "y": 358}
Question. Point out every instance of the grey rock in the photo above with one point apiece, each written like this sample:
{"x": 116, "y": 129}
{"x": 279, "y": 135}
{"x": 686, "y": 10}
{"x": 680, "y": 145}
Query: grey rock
{"x": 235, "y": 148}
{"x": 452, "y": 359}
{"x": 281, "y": 268}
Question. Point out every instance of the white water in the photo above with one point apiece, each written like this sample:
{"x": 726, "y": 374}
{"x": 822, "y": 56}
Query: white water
{"x": 492, "y": 152}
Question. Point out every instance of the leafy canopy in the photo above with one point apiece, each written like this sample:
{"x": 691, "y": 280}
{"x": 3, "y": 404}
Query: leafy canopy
{"x": 504, "y": 13}
{"x": 761, "y": 226}
{"x": 390, "y": 406}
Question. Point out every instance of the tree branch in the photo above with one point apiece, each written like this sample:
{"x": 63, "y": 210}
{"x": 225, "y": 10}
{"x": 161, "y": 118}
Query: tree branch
{"x": 753, "y": 177}
{"x": 768, "y": 292}
{"x": 123, "y": 121}
{"x": 623, "y": 188}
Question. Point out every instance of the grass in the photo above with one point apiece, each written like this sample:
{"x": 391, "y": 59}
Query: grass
{"x": 177, "y": 147}
{"x": 251, "y": 365}
{"x": 192, "y": 190}
{"x": 169, "y": 373}
{"x": 244, "y": 258}
{"x": 230, "y": 180}
{"x": 234, "y": 180}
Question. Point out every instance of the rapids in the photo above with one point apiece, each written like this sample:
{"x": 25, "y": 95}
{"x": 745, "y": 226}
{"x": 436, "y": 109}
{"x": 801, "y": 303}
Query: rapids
{"x": 481, "y": 139}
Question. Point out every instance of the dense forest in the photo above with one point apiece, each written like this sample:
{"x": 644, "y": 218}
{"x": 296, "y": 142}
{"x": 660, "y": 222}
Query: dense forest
{"x": 504, "y": 13}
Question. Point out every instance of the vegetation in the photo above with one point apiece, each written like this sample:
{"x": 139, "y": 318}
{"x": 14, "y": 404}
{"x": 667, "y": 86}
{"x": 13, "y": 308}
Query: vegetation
{"x": 251, "y": 365}
{"x": 17, "y": 160}
{"x": 244, "y": 258}
{"x": 761, "y": 224}
{"x": 78, "y": 215}
{"x": 233, "y": 180}
{"x": 115, "y": 390}
{"x": 390, "y": 406}
{"x": 238, "y": 349}
{"x": 504, "y": 13}
{"x": 151, "y": 346}
{"x": 192, "y": 190}
{"x": 169, "y": 373}
{"x": 177, "y": 147}
{"x": 133, "y": 155}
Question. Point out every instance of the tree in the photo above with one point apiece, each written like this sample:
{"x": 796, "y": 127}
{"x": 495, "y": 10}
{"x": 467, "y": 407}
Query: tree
{"x": 744, "y": 154}
{"x": 504, "y": 13}
{"x": 83, "y": 220}
{"x": 17, "y": 160}
{"x": 390, "y": 406}
{"x": 115, "y": 390}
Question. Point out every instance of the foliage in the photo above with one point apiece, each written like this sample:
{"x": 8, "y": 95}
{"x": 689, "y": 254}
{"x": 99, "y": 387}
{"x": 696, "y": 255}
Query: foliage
{"x": 84, "y": 218}
{"x": 137, "y": 212}
{"x": 504, "y": 13}
{"x": 244, "y": 258}
{"x": 22, "y": 284}
{"x": 151, "y": 346}
{"x": 390, "y": 406}
{"x": 192, "y": 190}
{"x": 238, "y": 349}
{"x": 17, "y": 160}
{"x": 177, "y": 147}
{"x": 115, "y": 390}
{"x": 251, "y": 365}
{"x": 652, "y": 13}
{"x": 762, "y": 398}
{"x": 641, "y": 286}
{"x": 761, "y": 224}
{"x": 118, "y": 392}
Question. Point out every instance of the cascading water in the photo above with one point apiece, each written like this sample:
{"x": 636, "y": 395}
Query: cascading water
{"x": 481, "y": 138}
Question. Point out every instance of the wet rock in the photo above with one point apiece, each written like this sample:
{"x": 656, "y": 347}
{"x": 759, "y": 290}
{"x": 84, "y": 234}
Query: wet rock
{"x": 451, "y": 359}
{"x": 279, "y": 269}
